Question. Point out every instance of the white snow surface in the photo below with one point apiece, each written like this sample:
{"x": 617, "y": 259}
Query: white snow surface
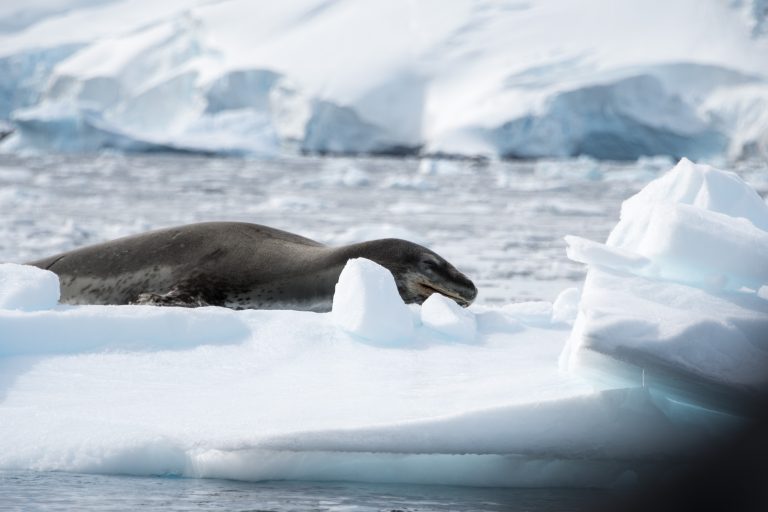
{"x": 541, "y": 78}
{"x": 470, "y": 397}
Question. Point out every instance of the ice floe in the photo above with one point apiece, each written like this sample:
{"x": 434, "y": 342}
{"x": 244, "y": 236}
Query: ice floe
{"x": 656, "y": 362}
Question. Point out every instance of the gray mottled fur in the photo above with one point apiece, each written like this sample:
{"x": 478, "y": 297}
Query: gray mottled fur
{"x": 240, "y": 266}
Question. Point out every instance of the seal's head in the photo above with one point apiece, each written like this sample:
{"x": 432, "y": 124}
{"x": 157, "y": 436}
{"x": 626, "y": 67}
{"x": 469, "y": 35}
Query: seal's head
{"x": 419, "y": 272}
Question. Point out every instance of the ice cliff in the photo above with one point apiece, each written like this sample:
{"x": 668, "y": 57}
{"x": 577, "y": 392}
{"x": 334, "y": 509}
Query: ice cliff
{"x": 546, "y": 78}
{"x": 663, "y": 348}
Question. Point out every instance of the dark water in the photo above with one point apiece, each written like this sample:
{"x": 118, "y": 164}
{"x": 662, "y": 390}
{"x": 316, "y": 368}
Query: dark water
{"x": 31, "y": 491}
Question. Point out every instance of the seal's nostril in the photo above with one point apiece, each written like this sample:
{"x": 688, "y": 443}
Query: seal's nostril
{"x": 470, "y": 290}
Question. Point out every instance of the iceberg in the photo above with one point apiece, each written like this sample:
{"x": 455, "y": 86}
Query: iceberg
{"x": 663, "y": 350}
{"x": 460, "y": 78}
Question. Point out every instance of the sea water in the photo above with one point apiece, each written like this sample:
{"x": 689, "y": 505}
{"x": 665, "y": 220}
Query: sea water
{"x": 30, "y": 491}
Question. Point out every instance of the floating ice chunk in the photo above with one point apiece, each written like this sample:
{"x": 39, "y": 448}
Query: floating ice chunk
{"x": 355, "y": 177}
{"x": 695, "y": 224}
{"x": 366, "y": 303}
{"x": 686, "y": 341}
{"x": 27, "y": 288}
{"x": 343, "y": 173}
{"x": 566, "y": 306}
{"x": 443, "y": 315}
{"x": 434, "y": 167}
{"x": 583, "y": 168}
{"x": 670, "y": 301}
{"x": 699, "y": 185}
{"x": 409, "y": 183}
{"x": 593, "y": 253}
{"x": 698, "y": 246}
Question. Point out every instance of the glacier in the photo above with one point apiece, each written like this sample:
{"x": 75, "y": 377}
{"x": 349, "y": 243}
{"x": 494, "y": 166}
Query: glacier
{"x": 637, "y": 368}
{"x": 499, "y": 79}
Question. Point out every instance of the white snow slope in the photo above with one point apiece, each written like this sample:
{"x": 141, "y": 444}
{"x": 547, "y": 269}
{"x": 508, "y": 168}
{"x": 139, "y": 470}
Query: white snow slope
{"x": 536, "y": 78}
{"x": 381, "y": 392}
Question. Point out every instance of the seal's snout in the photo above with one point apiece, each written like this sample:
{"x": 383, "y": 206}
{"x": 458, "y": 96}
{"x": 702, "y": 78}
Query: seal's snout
{"x": 420, "y": 272}
{"x": 471, "y": 292}
{"x": 465, "y": 290}
{"x": 451, "y": 283}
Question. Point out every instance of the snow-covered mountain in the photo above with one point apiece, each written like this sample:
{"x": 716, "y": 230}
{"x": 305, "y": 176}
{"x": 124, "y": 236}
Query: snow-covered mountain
{"x": 500, "y": 78}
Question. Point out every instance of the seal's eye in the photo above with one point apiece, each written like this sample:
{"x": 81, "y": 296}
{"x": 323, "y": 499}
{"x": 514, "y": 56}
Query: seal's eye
{"x": 429, "y": 264}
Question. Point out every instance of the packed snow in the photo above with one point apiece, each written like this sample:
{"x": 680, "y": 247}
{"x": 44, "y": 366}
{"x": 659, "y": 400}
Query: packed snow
{"x": 379, "y": 391}
{"x": 546, "y": 78}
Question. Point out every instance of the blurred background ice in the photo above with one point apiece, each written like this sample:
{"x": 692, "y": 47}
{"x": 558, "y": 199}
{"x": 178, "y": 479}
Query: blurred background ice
{"x": 520, "y": 79}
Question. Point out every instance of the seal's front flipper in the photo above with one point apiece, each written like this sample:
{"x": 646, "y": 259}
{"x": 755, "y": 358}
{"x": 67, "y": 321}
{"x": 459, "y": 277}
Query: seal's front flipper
{"x": 175, "y": 297}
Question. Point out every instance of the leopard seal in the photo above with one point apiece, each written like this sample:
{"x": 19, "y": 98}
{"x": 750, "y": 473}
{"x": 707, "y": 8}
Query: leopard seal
{"x": 241, "y": 266}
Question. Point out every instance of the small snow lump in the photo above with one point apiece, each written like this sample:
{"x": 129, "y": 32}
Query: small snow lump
{"x": 27, "y": 288}
{"x": 443, "y": 315}
{"x": 367, "y": 304}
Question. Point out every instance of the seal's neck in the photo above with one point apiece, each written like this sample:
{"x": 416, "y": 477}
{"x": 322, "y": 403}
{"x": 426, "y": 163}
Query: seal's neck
{"x": 374, "y": 250}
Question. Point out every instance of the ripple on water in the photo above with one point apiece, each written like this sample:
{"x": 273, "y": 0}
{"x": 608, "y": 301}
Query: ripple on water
{"x": 30, "y": 491}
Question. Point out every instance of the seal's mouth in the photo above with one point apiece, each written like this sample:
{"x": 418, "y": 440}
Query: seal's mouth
{"x": 428, "y": 289}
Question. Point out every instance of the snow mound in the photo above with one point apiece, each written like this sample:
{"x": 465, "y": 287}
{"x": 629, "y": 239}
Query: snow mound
{"x": 672, "y": 299}
{"x": 27, "y": 288}
{"x": 443, "y": 315}
{"x": 366, "y": 303}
